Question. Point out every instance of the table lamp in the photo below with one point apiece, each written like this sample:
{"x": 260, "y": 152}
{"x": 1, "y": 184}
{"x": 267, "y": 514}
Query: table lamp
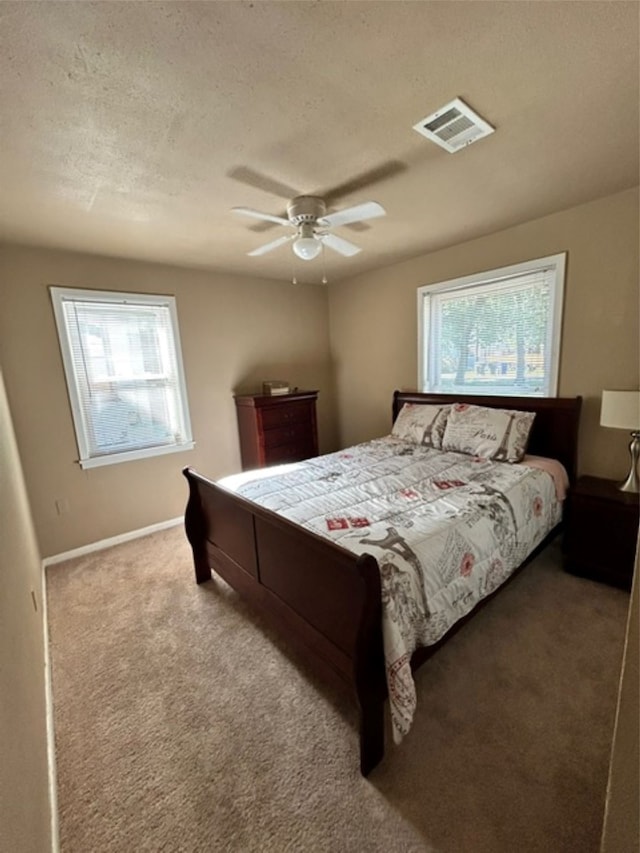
{"x": 621, "y": 410}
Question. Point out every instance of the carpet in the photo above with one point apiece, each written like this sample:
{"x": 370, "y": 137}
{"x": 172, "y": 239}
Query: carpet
{"x": 183, "y": 723}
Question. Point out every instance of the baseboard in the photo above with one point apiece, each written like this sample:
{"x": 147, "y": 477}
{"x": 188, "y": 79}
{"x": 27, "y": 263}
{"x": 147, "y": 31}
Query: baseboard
{"x": 113, "y": 540}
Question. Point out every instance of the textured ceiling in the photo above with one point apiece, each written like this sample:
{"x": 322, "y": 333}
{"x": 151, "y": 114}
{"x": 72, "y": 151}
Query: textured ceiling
{"x": 131, "y": 129}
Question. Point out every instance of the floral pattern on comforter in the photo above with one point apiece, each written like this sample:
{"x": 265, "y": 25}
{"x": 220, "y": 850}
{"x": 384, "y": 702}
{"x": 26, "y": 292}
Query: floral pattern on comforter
{"x": 446, "y": 529}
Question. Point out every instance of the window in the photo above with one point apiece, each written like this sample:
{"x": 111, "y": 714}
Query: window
{"x": 122, "y": 362}
{"x": 494, "y": 333}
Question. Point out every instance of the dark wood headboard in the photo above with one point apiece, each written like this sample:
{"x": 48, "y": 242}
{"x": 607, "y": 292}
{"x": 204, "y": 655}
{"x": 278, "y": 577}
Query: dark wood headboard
{"x": 555, "y": 428}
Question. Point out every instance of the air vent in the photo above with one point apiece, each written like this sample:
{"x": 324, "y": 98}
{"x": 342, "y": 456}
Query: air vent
{"x": 454, "y": 126}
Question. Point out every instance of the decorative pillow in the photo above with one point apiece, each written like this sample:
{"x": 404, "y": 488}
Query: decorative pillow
{"x": 500, "y": 434}
{"x": 422, "y": 424}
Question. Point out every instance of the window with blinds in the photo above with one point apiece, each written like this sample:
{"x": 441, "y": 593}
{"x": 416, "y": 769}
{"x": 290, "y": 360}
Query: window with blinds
{"x": 124, "y": 373}
{"x": 494, "y": 333}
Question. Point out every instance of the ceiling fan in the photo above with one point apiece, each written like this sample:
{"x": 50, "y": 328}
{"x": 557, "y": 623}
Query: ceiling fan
{"x": 311, "y": 224}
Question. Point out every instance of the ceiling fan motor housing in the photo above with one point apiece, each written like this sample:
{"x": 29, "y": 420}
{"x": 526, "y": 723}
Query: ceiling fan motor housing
{"x": 305, "y": 208}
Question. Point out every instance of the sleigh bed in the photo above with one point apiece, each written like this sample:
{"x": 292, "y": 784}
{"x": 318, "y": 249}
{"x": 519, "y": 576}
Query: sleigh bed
{"x": 332, "y": 603}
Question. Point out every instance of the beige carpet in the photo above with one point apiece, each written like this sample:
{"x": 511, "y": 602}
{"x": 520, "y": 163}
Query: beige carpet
{"x": 182, "y": 724}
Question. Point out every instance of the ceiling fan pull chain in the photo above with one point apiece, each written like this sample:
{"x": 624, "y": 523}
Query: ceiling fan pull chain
{"x": 324, "y": 270}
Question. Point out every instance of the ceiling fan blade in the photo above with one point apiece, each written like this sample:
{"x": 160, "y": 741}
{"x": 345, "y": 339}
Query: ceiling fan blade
{"x": 342, "y": 247}
{"x": 256, "y": 214}
{"x": 269, "y": 247}
{"x": 367, "y": 210}
{"x": 261, "y": 182}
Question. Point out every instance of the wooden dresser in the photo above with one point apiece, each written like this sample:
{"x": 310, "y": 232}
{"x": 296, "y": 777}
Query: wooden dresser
{"x": 276, "y": 429}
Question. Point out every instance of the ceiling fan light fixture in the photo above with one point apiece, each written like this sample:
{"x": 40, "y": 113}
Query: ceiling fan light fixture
{"x": 307, "y": 248}
{"x": 308, "y": 218}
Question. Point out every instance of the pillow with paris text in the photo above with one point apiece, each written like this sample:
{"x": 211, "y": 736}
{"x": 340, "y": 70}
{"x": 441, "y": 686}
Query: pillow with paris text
{"x": 500, "y": 434}
{"x": 421, "y": 424}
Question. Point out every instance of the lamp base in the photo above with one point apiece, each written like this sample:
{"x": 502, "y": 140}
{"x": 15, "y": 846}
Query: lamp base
{"x": 632, "y": 483}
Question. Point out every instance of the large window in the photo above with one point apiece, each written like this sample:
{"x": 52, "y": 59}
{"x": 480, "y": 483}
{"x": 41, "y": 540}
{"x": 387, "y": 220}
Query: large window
{"x": 494, "y": 333}
{"x": 123, "y": 366}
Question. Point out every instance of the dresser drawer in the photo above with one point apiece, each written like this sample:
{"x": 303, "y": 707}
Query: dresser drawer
{"x": 303, "y": 449}
{"x": 275, "y": 416}
{"x": 292, "y": 433}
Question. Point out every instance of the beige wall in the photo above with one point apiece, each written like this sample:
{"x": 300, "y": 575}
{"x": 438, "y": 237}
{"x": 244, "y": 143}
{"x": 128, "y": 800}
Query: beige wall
{"x": 25, "y": 817}
{"x": 373, "y": 319}
{"x": 235, "y": 332}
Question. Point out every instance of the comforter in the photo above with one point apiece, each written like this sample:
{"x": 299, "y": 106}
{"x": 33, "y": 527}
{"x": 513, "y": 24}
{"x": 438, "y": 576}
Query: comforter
{"x": 446, "y": 529}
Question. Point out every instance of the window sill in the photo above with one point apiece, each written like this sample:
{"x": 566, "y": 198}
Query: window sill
{"x": 132, "y": 455}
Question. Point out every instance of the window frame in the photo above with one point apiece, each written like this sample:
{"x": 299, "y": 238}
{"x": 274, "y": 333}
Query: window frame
{"x": 86, "y": 460}
{"x": 555, "y": 263}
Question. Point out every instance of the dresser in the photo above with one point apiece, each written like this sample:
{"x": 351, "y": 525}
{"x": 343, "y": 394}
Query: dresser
{"x": 601, "y": 531}
{"x": 276, "y": 429}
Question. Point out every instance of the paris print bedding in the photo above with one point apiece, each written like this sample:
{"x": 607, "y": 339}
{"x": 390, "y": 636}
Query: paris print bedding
{"x": 446, "y": 529}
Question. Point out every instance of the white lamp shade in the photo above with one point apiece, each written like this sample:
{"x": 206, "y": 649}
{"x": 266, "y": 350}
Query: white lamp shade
{"x": 620, "y": 409}
{"x": 307, "y": 248}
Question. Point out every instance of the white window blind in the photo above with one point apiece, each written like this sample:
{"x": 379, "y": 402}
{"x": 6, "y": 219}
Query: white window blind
{"x": 495, "y": 333}
{"x": 123, "y": 366}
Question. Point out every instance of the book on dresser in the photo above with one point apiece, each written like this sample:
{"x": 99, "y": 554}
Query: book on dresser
{"x": 276, "y": 428}
{"x": 275, "y": 386}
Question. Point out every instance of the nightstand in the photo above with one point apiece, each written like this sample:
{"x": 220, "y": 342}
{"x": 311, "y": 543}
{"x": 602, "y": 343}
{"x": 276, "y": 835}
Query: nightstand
{"x": 601, "y": 531}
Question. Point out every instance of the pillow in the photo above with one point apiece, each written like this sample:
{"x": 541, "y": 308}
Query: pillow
{"x": 421, "y": 424}
{"x": 500, "y": 434}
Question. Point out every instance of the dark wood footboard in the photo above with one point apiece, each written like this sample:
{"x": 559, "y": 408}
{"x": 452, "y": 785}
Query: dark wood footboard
{"x": 326, "y": 601}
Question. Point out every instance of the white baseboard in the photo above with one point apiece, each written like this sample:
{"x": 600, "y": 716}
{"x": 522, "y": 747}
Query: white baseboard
{"x": 113, "y": 540}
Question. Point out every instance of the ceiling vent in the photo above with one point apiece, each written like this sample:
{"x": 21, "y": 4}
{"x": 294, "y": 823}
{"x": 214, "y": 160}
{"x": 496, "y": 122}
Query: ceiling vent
{"x": 454, "y": 126}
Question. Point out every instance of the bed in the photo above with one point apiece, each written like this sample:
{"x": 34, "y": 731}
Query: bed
{"x": 322, "y": 572}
